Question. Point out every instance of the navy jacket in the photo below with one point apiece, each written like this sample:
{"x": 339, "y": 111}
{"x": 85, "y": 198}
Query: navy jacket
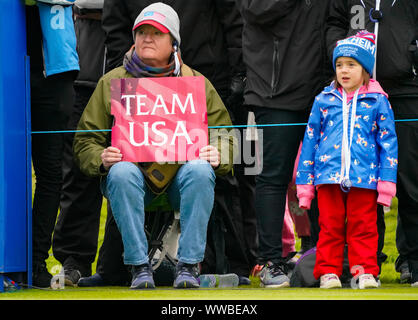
{"x": 284, "y": 52}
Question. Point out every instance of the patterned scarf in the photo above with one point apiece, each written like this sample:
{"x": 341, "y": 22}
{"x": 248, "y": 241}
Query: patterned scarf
{"x": 135, "y": 66}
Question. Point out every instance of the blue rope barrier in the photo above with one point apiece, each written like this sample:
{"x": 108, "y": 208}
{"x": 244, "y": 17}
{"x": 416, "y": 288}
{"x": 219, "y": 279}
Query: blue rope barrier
{"x": 210, "y": 127}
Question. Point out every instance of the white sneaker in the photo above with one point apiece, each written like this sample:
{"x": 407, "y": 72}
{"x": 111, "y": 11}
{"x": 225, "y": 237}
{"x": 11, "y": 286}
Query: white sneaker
{"x": 414, "y": 284}
{"x": 367, "y": 281}
{"x": 330, "y": 281}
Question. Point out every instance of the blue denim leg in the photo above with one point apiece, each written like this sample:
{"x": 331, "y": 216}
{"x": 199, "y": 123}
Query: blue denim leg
{"x": 192, "y": 191}
{"x": 128, "y": 194}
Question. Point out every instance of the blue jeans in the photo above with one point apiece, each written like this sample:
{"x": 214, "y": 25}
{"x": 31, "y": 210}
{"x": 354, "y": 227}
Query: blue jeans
{"x": 191, "y": 192}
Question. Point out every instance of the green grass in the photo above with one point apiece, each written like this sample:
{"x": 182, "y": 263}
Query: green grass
{"x": 386, "y": 292}
{"x": 390, "y": 289}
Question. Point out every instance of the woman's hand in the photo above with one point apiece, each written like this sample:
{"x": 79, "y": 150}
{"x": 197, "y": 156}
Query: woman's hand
{"x": 211, "y": 155}
{"x": 110, "y": 156}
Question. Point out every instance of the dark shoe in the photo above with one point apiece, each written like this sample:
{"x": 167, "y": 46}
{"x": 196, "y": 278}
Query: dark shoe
{"x": 405, "y": 276}
{"x": 402, "y": 266}
{"x": 142, "y": 277}
{"x": 186, "y": 276}
{"x": 74, "y": 270}
{"x": 72, "y": 277}
{"x": 244, "y": 281}
{"x": 93, "y": 281}
{"x": 41, "y": 278}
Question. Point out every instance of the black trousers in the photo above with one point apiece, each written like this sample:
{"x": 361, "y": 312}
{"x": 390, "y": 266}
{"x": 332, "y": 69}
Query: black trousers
{"x": 52, "y": 100}
{"x": 279, "y": 150}
{"x": 407, "y": 184}
{"x": 110, "y": 263}
{"x": 232, "y": 231}
{"x": 76, "y": 232}
{"x": 246, "y": 187}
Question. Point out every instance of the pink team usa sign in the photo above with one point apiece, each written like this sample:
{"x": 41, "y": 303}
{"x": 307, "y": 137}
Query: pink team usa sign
{"x": 159, "y": 119}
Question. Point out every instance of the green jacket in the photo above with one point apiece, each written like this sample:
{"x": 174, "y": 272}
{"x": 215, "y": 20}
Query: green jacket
{"x": 88, "y": 146}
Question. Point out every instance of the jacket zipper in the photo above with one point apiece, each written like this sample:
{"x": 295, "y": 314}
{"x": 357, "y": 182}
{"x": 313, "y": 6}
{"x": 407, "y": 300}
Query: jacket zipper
{"x": 275, "y": 74}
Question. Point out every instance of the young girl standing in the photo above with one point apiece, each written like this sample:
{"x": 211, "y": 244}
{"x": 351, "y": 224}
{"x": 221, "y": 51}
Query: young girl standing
{"x": 349, "y": 152}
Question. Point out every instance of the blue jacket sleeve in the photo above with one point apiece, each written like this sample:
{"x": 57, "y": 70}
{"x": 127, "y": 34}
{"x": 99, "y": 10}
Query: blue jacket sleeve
{"x": 387, "y": 141}
{"x": 305, "y": 173}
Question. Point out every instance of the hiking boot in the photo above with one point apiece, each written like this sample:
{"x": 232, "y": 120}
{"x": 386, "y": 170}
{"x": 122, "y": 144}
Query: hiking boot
{"x": 142, "y": 277}
{"x": 41, "y": 278}
{"x": 330, "y": 281}
{"x": 219, "y": 280}
{"x": 95, "y": 280}
{"x": 186, "y": 276}
{"x": 367, "y": 281}
{"x": 273, "y": 275}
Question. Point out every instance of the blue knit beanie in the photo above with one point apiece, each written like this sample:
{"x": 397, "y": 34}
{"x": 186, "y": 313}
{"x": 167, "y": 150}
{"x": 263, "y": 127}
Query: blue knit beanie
{"x": 361, "y": 47}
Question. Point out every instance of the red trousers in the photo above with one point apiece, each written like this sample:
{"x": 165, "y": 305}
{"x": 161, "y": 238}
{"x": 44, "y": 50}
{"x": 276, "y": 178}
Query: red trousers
{"x": 346, "y": 218}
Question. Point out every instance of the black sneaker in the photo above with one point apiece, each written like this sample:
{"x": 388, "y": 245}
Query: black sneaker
{"x": 405, "y": 276}
{"x": 95, "y": 280}
{"x": 244, "y": 281}
{"x": 402, "y": 266}
{"x": 72, "y": 277}
{"x": 41, "y": 278}
{"x": 74, "y": 270}
{"x": 142, "y": 277}
{"x": 186, "y": 276}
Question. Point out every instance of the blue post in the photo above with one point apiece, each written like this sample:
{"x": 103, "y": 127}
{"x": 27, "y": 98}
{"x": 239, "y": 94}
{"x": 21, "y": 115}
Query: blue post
{"x": 15, "y": 156}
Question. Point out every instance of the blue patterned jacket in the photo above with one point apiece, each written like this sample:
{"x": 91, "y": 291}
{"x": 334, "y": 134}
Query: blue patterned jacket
{"x": 374, "y": 149}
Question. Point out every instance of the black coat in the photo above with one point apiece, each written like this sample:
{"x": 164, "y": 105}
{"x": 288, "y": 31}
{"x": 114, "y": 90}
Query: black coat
{"x": 284, "y": 52}
{"x": 210, "y": 33}
{"x": 90, "y": 46}
{"x": 397, "y": 29}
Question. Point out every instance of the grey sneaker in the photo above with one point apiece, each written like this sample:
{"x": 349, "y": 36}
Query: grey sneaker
{"x": 186, "y": 276}
{"x": 273, "y": 276}
{"x": 218, "y": 280}
{"x": 142, "y": 277}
